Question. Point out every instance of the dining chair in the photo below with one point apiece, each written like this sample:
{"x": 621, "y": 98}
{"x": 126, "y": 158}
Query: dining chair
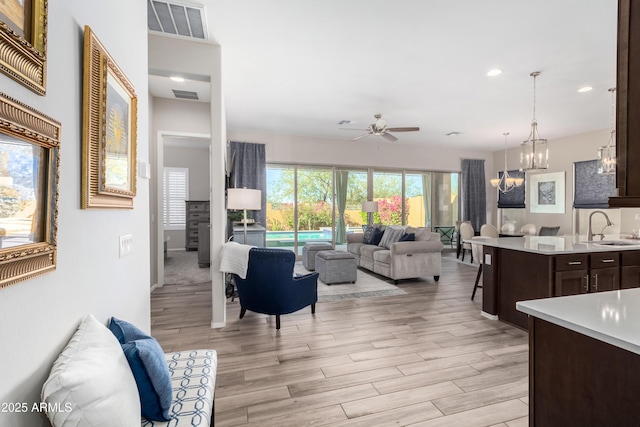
{"x": 548, "y": 231}
{"x": 528, "y": 229}
{"x": 488, "y": 230}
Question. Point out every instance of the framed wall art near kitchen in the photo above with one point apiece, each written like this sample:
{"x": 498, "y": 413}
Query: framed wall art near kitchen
{"x": 29, "y": 164}
{"x": 547, "y": 192}
{"x": 109, "y": 131}
{"x": 23, "y": 42}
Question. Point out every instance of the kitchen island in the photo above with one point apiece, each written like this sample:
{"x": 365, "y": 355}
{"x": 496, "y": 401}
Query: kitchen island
{"x": 533, "y": 267}
{"x": 584, "y": 353}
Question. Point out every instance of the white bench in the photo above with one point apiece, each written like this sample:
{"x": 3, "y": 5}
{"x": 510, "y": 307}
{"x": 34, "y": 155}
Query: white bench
{"x": 193, "y": 379}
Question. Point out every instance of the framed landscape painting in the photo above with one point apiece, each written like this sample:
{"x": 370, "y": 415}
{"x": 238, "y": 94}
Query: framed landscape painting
{"x": 109, "y": 131}
{"x": 23, "y": 42}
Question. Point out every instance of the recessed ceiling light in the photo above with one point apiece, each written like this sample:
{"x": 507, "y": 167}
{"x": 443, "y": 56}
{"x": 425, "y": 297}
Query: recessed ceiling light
{"x": 453, "y": 133}
{"x": 494, "y": 72}
{"x": 585, "y": 89}
{"x": 177, "y": 79}
{"x": 344, "y": 122}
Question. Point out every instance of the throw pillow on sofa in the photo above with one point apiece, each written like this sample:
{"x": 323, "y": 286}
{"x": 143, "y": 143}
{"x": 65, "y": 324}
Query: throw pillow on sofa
{"x": 149, "y": 368}
{"x": 91, "y": 383}
{"x": 390, "y": 236}
{"x": 408, "y": 237}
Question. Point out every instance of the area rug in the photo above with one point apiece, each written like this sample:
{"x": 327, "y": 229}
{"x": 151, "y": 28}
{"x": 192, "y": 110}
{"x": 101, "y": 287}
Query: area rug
{"x": 367, "y": 285}
{"x": 181, "y": 268}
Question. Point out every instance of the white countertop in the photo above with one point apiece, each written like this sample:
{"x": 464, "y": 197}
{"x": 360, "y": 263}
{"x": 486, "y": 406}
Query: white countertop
{"x": 551, "y": 245}
{"x": 612, "y": 317}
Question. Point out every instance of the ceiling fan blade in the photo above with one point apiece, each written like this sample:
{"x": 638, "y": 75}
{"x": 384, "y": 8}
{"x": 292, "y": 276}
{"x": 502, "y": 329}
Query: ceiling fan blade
{"x": 389, "y": 137}
{"x": 361, "y": 136}
{"x": 406, "y": 129}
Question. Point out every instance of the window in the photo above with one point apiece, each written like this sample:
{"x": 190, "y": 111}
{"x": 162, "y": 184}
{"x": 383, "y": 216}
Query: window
{"x": 176, "y": 191}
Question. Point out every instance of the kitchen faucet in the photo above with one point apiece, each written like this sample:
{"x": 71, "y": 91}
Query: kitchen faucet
{"x": 590, "y": 234}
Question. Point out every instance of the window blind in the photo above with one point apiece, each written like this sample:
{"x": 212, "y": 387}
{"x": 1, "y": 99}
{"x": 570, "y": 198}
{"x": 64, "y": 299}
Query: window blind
{"x": 176, "y": 191}
{"x": 591, "y": 190}
{"x": 514, "y": 199}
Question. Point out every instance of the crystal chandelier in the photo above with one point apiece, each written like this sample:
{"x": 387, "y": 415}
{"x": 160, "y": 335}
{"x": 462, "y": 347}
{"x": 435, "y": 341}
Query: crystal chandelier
{"x": 607, "y": 153}
{"x": 535, "y": 150}
{"x": 506, "y": 183}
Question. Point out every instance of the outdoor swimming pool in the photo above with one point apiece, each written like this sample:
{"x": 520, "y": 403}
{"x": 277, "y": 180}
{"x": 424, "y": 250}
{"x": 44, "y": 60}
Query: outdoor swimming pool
{"x": 285, "y": 238}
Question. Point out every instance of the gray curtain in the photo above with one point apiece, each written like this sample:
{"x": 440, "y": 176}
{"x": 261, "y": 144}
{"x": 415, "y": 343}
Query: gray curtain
{"x": 426, "y": 198}
{"x": 514, "y": 199}
{"x": 342, "y": 178}
{"x": 248, "y": 169}
{"x": 474, "y": 196}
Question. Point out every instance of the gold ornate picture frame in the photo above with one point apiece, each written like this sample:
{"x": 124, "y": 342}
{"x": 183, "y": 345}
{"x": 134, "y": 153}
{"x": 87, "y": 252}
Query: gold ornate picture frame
{"x": 29, "y": 165}
{"x": 109, "y": 131}
{"x": 23, "y": 42}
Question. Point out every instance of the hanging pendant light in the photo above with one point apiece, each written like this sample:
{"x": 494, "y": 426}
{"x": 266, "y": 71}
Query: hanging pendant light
{"x": 535, "y": 150}
{"x": 506, "y": 183}
{"x": 607, "y": 153}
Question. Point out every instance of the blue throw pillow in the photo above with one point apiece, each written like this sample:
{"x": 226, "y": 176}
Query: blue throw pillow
{"x": 149, "y": 368}
{"x": 377, "y": 236}
{"x": 125, "y": 331}
{"x": 152, "y": 376}
{"x": 409, "y": 237}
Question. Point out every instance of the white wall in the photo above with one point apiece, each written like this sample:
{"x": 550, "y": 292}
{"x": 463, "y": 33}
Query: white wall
{"x": 197, "y": 161}
{"x": 563, "y": 152}
{"x": 38, "y": 316}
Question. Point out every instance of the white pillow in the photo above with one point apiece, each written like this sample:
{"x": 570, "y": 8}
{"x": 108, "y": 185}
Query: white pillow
{"x": 91, "y": 383}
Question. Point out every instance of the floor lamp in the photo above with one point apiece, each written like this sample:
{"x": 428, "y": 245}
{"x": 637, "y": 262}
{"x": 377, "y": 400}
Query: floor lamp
{"x": 369, "y": 208}
{"x": 244, "y": 199}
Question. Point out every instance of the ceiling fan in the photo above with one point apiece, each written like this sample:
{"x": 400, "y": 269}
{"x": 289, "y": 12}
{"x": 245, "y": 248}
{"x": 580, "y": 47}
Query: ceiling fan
{"x": 380, "y": 128}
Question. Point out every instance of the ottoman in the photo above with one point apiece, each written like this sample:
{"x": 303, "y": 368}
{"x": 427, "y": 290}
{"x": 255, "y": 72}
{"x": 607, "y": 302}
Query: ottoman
{"x": 309, "y": 252}
{"x": 336, "y": 267}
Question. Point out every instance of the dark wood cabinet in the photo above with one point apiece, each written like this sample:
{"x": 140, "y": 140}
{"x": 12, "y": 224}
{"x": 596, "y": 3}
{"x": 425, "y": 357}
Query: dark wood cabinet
{"x": 630, "y": 270}
{"x": 628, "y": 106}
{"x": 583, "y": 273}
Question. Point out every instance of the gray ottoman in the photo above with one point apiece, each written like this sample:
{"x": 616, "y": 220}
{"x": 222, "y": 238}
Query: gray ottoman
{"x": 309, "y": 252}
{"x": 336, "y": 267}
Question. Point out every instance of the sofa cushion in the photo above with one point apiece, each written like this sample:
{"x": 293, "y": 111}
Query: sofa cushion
{"x": 391, "y": 235}
{"x": 367, "y": 251}
{"x": 354, "y": 248}
{"x": 91, "y": 382}
{"x": 383, "y": 256}
{"x": 408, "y": 237}
{"x": 150, "y": 370}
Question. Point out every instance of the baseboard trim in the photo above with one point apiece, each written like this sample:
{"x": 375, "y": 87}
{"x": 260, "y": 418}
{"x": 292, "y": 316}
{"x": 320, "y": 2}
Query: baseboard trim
{"x": 489, "y": 316}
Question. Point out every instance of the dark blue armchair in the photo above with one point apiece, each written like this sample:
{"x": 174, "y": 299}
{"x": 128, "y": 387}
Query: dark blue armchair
{"x": 270, "y": 287}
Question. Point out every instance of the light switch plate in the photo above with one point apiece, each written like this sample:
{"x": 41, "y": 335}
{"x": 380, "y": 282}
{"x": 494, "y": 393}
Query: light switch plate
{"x": 126, "y": 245}
{"x": 487, "y": 259}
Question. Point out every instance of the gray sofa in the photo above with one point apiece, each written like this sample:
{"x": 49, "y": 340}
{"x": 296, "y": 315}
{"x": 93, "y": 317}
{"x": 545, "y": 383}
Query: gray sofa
{"x": 402, "y": 260}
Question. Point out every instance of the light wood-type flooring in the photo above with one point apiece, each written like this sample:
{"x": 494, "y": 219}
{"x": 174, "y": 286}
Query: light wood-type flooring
{"x": 427, "y": 358}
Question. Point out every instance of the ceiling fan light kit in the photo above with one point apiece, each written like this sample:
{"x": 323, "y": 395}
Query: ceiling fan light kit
{"x": 506, "y": 183}
{"x": 379, "y": 128}
{"x": 535, "y": 150}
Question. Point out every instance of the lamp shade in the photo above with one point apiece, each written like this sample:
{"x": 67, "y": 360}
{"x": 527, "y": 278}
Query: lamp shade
{"x": 244, "y": 198}
{"x": 369, "y": 206}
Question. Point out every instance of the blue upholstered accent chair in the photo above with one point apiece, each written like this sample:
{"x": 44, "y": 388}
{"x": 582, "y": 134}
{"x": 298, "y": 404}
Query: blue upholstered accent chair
{"x": 270, "y": 287}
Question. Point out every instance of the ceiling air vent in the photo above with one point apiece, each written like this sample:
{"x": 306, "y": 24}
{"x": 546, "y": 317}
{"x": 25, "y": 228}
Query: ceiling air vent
{"x": 176, "y": 18}
{"x": 185, "y": 94}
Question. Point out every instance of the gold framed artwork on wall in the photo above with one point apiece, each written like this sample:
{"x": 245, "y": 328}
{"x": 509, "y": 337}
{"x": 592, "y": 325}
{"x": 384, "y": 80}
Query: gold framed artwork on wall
{"x": 29, "y": 164}
{"x": 109, "y": 131}
{"x": 23, "y": 42}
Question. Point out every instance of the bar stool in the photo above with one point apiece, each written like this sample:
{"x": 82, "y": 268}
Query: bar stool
{"x": 476, "y": 252}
